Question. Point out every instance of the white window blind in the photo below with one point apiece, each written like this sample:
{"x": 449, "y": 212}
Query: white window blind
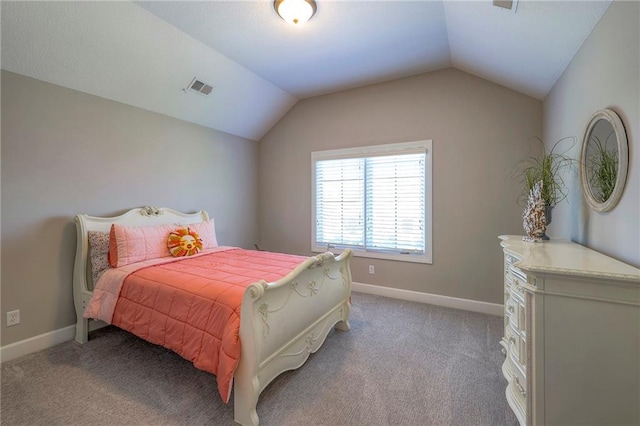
{"x": 395, "y": 203}
{"x": 374, "y": 201}
{"x": 340, "y": 202}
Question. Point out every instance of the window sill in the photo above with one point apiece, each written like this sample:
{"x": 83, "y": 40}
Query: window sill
{"x": 412, "y": 258}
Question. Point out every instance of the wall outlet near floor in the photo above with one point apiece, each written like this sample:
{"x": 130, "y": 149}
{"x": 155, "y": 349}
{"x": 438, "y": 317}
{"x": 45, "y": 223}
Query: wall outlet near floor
{"x": 13, "y": 318}
{"x": 372, "y": 269}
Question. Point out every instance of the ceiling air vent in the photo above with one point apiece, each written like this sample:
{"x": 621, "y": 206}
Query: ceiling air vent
{"x": 200, "y": 87}
{"x": 511, "y": 5}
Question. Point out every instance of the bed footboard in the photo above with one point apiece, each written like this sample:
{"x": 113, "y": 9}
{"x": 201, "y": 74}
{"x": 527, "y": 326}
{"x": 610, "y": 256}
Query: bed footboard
{"x": 283, "y": 322}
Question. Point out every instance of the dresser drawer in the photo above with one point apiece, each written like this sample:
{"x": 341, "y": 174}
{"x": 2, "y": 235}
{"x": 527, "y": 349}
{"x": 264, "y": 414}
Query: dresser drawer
{"x": 516, "y": 349}
{"x": 510, "y": 259}
{"x": 516, "y": 285}
{"x": 511, "y": 311}
{"x": 513, "y": 340}
{"x": 517, "y": 398}
{"x": 508, "y": 262}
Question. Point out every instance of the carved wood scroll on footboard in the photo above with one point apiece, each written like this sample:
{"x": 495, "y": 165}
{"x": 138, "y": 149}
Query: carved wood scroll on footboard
{"x": 282, "y": 323}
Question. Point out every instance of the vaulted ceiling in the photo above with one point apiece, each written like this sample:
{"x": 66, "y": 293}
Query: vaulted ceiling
{"x": 147, "y": 53}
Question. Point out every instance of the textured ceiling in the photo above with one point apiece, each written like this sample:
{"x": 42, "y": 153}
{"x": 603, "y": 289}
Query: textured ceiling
{"x": 119, "y": 51}
{"x": 145, "y": 53}
{"x": 346, "y": 44}
{"x": 527, "y": 50}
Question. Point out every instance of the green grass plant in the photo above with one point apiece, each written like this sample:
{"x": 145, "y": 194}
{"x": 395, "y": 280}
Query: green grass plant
{"x": 602, "y": 169}
{"x": 549, "y": 167}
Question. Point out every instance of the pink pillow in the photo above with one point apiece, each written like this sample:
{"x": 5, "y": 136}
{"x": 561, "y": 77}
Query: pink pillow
{"x": 130, "y": 244}
{"x": 207, "y": 233}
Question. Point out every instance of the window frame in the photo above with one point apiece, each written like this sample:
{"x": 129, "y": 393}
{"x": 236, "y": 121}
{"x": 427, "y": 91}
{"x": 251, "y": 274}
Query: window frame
{"x": 425, "y": 146}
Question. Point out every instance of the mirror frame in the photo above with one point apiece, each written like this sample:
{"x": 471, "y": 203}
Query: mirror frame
{"x": 623, "y": 160}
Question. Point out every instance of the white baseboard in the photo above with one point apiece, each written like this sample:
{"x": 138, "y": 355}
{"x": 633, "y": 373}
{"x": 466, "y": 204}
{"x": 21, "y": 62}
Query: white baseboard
{"x": 37, "y": 343}
{"x": 432, "y": 299}
{"x": 47, "y": 340}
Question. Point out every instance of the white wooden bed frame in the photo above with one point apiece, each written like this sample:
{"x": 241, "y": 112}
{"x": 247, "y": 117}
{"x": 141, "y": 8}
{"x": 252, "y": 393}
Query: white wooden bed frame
{"x": 281, "y": 324}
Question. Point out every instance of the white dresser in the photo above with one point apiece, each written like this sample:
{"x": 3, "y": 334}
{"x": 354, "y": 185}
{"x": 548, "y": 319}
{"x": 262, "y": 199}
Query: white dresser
{"x": 571, "y": 334}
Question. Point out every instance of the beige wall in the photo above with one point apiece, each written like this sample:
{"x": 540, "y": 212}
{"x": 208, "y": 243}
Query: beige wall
{"x": 605, "y": 73}
{"x": 479, "y": 130}
{"x": 65, "y": 152}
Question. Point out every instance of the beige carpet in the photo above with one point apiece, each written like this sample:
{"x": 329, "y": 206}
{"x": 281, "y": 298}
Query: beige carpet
{"x": 402, "y": 363}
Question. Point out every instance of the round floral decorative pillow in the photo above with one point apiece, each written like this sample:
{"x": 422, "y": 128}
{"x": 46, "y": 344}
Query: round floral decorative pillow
{"x": 184, "y": 242}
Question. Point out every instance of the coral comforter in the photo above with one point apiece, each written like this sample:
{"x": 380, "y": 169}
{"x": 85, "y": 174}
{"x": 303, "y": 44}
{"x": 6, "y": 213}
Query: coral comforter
{"x": 192, "y": 305}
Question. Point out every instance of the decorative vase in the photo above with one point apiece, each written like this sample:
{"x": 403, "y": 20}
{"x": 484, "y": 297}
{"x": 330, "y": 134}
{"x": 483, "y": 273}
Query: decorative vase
{"x": 534, "y": 216}
{"x": 547, "y": 215}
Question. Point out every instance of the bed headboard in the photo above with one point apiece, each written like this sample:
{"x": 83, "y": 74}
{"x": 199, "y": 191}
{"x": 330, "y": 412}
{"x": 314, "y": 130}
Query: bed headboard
{"x": 143, "y": 216}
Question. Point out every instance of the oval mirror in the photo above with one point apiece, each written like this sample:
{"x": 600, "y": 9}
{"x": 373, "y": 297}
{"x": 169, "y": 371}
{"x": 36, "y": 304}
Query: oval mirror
{"x": 604, "y": 160}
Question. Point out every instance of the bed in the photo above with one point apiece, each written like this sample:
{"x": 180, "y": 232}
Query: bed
{"x": 281, "y": 322}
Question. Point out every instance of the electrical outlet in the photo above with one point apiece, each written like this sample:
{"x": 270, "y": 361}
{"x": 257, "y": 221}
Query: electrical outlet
{"x": 13, "y": 318}
{"x": 372, "y": 269}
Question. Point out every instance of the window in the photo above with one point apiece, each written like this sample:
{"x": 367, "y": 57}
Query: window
{"x": 375, "y": 200}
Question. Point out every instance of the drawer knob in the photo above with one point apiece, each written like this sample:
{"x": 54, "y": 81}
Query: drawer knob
{"x": 503, "y": 350}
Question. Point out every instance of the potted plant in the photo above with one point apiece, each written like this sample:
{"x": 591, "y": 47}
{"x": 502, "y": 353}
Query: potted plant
{"x": 549, "y": 168}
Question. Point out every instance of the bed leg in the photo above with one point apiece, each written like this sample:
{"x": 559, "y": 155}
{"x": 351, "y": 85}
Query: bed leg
{"x": 244, "y": 405}
{"x": 344, "y": 323}
{"x": 82, "y": 330}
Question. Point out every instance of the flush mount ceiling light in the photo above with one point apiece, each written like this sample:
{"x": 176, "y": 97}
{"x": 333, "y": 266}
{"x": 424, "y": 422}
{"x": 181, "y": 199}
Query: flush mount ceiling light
{"x": 295, "y": 11}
